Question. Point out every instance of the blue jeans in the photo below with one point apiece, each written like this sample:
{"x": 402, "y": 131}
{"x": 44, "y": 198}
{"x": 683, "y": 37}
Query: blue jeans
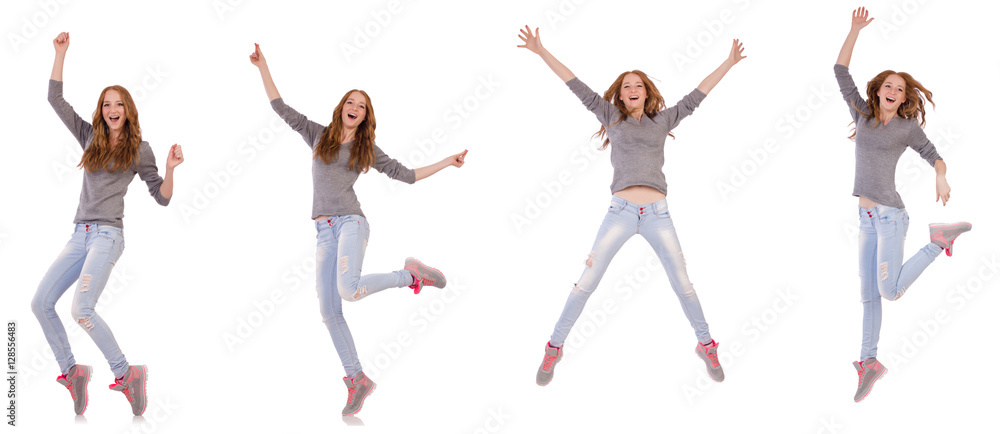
{"x": 625, "y": 219}
{"x": 882, "y": 271}
{"x": 340, "y": 249}
{"x": 89, "y": 256}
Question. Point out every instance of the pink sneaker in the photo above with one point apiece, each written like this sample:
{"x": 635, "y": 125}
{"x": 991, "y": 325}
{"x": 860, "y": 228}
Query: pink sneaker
{"x": 76, "y": 381}
{"x": 710, "y": 355}
{"x": 552, "y": 356}
{"x": 869, "y": 372}
{"x": 944, "y": 234}
{"x": 133, "y": 385}
{"x": 358, "y": 388}
{"x": 423, "y": 275}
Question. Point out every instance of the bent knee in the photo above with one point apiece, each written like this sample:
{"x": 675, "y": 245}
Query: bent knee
{"x": 584, "y": 290}
{"x": 893, "y": 295}
{"x": 353, "y": 292}
{"x": 39, "y": 306}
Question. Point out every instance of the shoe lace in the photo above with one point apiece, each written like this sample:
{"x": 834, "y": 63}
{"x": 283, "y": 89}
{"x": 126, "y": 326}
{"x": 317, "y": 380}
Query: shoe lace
{"x": 547, "y": 362}
{"x": 861, "y": 375}
{"x": 122, "y": 387}
{"x": 69, "y": 386}
{"x": 351, "y": 391}
{"x": 713, "y": 356}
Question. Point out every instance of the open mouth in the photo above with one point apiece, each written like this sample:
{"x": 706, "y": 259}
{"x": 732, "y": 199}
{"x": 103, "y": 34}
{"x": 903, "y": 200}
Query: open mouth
{"x": 890, "y": 100}
{"x": 633, "y": 98}
{"x": 352, "y": 116}
{"x": 114, "y": 118}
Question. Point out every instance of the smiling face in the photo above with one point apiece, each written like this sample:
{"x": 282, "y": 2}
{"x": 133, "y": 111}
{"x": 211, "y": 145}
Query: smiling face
{"x": 892, "y": 93}
{"x": 113, "y": 111}
{"x": 632, "y": 92}
{"x": 355, "y": 110}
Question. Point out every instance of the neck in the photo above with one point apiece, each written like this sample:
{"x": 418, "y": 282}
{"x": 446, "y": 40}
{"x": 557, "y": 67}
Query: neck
{"x": 637, "y": 114}
{"x": 347, "y": 134}
{"x": 887, "y": 116}
{"x": 113, "y": 138}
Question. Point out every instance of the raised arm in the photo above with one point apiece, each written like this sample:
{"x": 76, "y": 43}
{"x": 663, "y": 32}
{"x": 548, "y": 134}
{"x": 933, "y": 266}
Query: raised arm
{"x": 533, "y": 43}
{"x": 858, "y": 21}
{"x": 735, "y": 56}
{"x": 61, "y": 43}
{"x": 80, "y": 128}
{"x": 257, "y": 59}
{"x": 456, "y": 160}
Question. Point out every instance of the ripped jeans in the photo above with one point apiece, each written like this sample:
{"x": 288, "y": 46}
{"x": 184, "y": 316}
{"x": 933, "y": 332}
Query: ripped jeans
{"x": 623, "y": 220}
{"x": 340, "y": 249}
{"x": 89, "y": 256}
{"x": 882, "y": 271}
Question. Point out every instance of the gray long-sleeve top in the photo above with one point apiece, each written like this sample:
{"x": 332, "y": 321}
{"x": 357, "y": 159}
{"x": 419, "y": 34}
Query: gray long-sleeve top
{"x": 102, "y": 197}
{"x": 636, "y": 145}
{"x": 333, "y": 183}
{"x": 877, "y": 148}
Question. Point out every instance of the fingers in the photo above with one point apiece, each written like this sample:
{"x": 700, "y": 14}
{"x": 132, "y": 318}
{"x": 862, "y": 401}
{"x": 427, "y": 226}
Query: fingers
{"x": 176, "y": 153}
{"x": 61, "y": 38}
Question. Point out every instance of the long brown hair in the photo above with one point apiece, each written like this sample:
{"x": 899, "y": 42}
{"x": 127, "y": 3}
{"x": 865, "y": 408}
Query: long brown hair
{"x": 100, "y": 154}
{"x": 654, "y": 102}
{"x": 363, "y": 151}
{"x": 913, "y": 107}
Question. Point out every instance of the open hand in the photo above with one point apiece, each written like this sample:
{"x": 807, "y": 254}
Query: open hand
{"x": 943, "y": 190}
{"x": 860, "y": 19}
{"x": 532, "y": 42}
{"x": 736, "y": 53}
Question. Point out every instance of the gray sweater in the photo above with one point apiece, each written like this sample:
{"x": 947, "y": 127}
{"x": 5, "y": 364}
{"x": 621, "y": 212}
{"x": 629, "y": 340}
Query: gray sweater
{"x": 333, "y": 183}
{"x": 102, "y": 198}
{"x": 636, "y": 146}
{"x": 877, "y": 147}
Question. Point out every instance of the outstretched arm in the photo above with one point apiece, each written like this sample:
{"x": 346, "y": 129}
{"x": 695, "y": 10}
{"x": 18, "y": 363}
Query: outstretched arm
{"x": 257, "y": 59}
{"x": 858, "y": 21}
{"x": 456, "y": 160}
{"x": 61, "y": 43}
{"x": 735, "y": 55}
{"x": 533, "y": 42}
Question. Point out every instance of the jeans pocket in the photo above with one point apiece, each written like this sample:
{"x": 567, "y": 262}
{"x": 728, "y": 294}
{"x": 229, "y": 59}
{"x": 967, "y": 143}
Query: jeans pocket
{"x": 661, "y": 210}
{"x": 111, "y": 244}
{"x": 888, "y": 215}
{"x": 616, "y": 207}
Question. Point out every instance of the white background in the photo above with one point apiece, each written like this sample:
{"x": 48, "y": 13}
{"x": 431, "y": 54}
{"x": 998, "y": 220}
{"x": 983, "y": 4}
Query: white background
{"x": 774, "y": 261}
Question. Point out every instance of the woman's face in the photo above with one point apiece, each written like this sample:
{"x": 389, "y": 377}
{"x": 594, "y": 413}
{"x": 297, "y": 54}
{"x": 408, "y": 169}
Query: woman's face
{"x": 355, "y": 109}
{"x": 113, "y": 110}
{"x": 632, "y": 92}
{"x": 892, "y": 93}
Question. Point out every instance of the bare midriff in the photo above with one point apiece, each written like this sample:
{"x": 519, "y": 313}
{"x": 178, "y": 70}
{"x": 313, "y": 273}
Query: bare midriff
{"x": 640, "y": 194}
{"x": 865, "y": 202}
{"x": 322, "y": 217}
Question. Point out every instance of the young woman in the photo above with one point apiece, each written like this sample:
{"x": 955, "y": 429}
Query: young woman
{"x": 113, "y": 153}
{"x": 636, "y": 123}
{"x": 888, "y": 122}
{"x": 343, "y": 150}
